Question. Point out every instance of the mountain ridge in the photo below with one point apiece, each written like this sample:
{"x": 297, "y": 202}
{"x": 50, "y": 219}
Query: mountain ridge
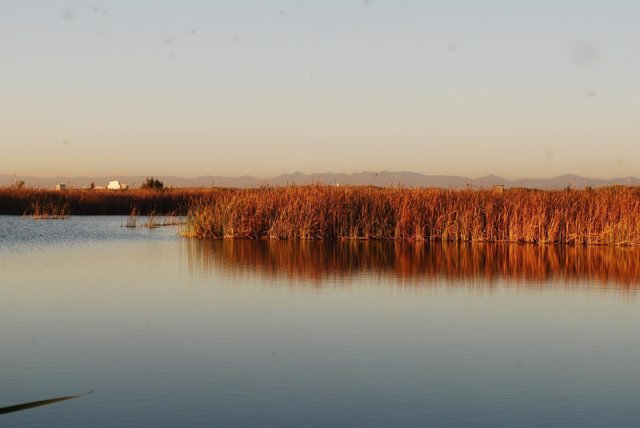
{"x": 381, "y": 179}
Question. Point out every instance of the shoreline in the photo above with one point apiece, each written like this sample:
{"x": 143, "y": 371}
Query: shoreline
{"x": 604, "y": 216}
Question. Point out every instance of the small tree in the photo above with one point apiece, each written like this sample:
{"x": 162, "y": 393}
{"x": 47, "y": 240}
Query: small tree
{"x": 153, "y": 184}
{"x": 18, "y": 184}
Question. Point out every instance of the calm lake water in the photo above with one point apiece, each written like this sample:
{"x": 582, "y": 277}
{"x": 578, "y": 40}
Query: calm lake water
{"x": 170, "y": 332}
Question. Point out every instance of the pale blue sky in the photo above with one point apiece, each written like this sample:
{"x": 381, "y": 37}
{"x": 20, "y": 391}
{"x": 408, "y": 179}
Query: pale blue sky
{"x": 262, "y": 88}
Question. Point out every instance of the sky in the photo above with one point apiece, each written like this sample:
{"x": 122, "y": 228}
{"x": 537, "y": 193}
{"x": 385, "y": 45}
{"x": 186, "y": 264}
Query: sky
{"x": 516, "y": 89}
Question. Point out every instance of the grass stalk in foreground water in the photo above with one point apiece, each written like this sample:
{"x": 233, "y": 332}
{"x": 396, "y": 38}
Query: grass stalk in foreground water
{"x": 33, "y": 404}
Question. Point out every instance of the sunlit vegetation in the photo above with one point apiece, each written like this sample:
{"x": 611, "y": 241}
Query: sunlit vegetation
{"x": 172, "y": 219}
{"x": 132, "y": 220}
{"x": 607, "y": 216}
{"x": 49, "y": 210}
{"x": 153, "y": 220}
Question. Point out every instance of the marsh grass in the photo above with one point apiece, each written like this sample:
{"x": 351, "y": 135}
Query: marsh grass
{"x": 172, "y": 219}
{"x": 153, "y": 221}
{"x": 132, "y": 220}
{"x": 606, "y": 216}
{"x": 97, "y": 202}
{"x": 48, "y": 210}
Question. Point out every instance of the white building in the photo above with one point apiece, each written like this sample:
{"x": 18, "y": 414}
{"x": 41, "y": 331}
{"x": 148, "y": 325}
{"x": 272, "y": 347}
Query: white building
{"x": 116, "y": 185}
{"x": 61, "y": 186}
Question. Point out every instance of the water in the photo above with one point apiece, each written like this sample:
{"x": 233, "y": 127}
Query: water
{"x": 171, "y": 332}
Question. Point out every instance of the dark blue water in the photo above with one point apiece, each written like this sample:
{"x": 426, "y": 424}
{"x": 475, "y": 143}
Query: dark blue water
{"x": 169, "y": 332}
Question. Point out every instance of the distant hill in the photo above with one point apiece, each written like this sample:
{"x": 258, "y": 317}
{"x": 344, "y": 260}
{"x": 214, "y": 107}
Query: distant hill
{"x": 382, "y": 179}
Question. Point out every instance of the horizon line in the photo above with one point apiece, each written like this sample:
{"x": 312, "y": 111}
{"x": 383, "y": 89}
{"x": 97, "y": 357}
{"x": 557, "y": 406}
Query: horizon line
{"x": 77, "y": 176}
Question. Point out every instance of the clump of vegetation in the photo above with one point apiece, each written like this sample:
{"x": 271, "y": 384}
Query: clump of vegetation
{"x": 98, "y": 201}
{"x": 132, "y": 220}
{"x": 607, "y": 216}
{"x": 152, "y": 184}
{"x": 153, "y": 220}
{"x": 172, "y": 219}
{"x": 49, "y": 211}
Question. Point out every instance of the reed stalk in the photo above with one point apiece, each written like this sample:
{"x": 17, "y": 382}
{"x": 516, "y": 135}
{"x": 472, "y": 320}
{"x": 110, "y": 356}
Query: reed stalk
{"x": 132, "y": 220}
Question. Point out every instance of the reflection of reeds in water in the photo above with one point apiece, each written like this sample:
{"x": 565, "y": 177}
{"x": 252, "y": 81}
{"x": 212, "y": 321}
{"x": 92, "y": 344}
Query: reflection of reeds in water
{"x": 484, "y": 262}
{"x": 608, "y": 216}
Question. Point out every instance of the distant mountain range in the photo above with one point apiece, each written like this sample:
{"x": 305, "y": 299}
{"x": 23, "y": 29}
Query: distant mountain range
{"x": 382, "y": 179}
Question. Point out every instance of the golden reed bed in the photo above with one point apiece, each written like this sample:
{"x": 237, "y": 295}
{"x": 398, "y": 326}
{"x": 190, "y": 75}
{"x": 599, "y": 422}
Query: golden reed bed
{"x": 606, "y": 216}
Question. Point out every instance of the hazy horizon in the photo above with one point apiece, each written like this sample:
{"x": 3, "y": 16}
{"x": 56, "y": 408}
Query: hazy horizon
{"x": 189, "y": 89}
{"x": 473, "y": 177}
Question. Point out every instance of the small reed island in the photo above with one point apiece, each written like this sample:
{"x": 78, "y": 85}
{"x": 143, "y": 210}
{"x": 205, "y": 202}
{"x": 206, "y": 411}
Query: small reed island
{"x": 604, "y": 216}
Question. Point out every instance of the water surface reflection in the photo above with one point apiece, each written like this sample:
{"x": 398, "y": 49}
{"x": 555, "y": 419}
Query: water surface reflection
{"x": 288, "y": 334}
{"x": 485, "y": 263}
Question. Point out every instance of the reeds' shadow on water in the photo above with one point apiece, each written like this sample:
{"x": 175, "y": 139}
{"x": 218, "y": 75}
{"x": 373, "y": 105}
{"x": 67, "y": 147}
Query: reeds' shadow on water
{"x": 481, "y": 263}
